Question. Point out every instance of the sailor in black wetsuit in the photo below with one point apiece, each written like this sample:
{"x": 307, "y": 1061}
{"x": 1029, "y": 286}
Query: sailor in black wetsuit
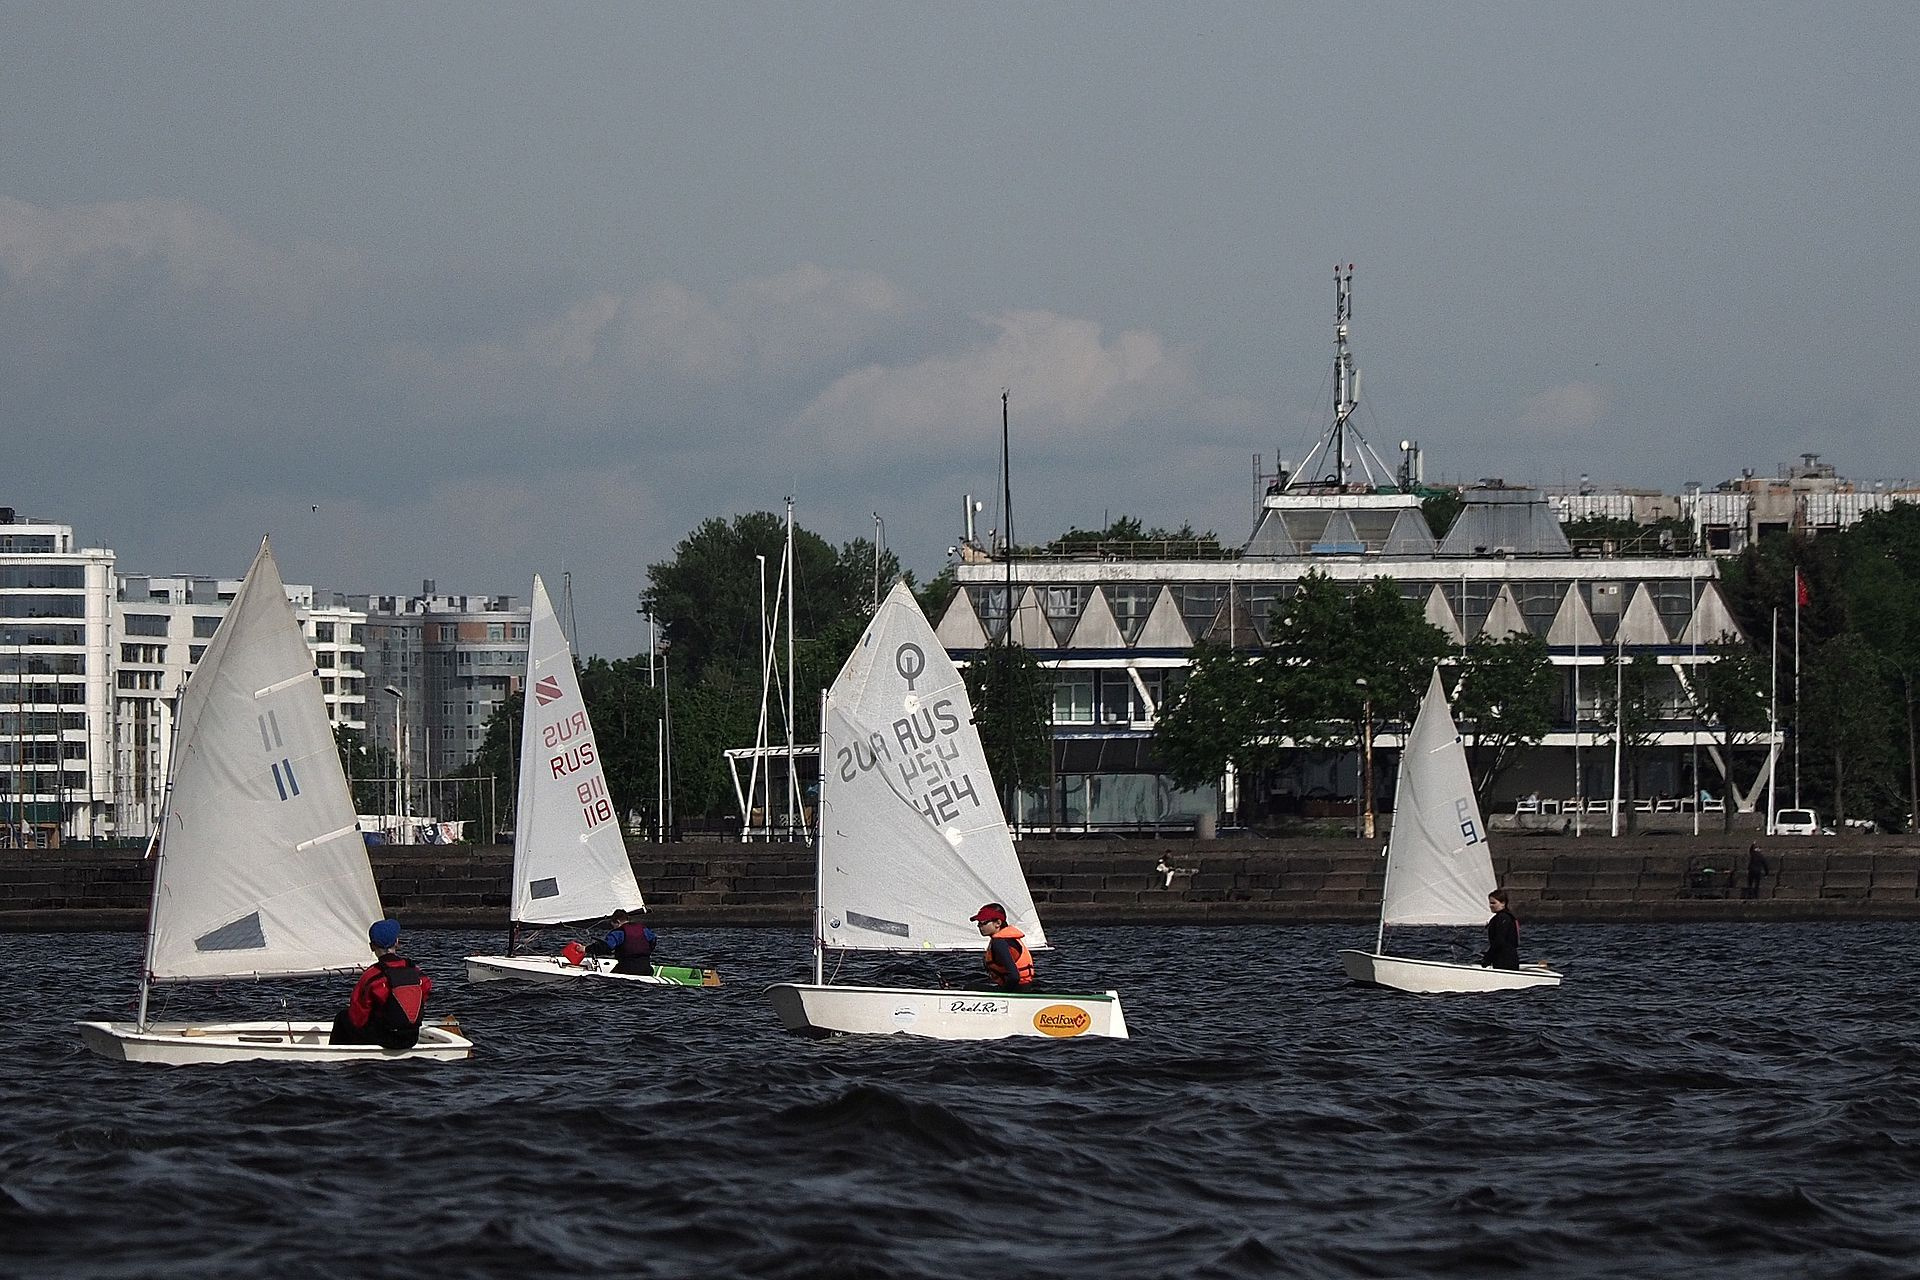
{"x": 1503, "y": 935}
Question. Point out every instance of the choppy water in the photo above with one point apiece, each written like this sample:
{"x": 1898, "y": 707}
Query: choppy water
{"x": 1705, "y": 1099}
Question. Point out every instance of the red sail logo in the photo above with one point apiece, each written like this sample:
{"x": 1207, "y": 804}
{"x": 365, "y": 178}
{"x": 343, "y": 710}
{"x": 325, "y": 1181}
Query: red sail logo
{"x": 547, "y": 689}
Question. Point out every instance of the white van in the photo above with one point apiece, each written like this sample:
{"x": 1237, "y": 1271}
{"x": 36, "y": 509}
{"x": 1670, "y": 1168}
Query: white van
{"x": 1796, "y": 822}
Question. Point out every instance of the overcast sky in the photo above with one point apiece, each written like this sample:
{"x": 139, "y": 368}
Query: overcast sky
{"x": 472, "y": 291}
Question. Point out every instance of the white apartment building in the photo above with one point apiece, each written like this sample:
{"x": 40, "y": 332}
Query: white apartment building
{"x": 56, "y": 765}
{"x": 162, "y": 626}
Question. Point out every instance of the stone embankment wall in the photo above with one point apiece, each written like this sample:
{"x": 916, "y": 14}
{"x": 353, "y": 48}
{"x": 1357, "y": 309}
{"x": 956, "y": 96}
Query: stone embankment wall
{"x": 1098, "y": 881}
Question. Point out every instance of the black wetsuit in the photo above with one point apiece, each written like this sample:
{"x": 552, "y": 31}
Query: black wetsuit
{"x": 1503, "y": 942}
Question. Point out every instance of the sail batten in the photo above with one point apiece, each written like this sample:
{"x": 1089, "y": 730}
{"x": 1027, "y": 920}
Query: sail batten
{"x": 912, "y": 837}
{"x": 1439, "y": 869}
{"x": 569, "y": 859}
{"x": 263, "y": 871}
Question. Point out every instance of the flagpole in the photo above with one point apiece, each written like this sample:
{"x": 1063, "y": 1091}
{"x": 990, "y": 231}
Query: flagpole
{"x": 1799, "y": 589}
{"x": 1773, "y": 712}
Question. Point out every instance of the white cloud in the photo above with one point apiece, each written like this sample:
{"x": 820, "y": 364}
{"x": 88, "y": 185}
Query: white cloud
{"x": 51, "y": 249}
{"x": 1069, "y": 386}
{"x": 793, "y": 323}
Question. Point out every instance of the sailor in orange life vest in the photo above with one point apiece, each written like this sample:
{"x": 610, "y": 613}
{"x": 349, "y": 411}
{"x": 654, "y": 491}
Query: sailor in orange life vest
{"x": 1009, "y": 963}
{"x": 1503, "y": 935}
{"x": 389, "y": 1000}
{"x": 629, "y": 942}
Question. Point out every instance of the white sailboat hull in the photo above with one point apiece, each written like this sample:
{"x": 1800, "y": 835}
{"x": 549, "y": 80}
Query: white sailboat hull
{"x": 181, "y": 1044}
{"x": 1403, "y": 973}
{"x": 554, "y": 969}
{"x": 945, "y": 1013}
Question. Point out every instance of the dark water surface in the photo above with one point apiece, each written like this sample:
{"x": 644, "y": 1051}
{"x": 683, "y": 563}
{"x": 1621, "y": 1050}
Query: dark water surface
{"x": 1698, "y": 1099}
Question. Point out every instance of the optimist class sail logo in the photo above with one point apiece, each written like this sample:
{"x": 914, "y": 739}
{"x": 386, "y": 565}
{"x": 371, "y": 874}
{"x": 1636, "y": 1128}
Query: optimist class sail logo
{"x": 547, "y": 689}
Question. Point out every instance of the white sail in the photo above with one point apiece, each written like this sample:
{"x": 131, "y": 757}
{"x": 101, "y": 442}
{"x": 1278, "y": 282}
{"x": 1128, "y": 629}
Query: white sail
{"x": 569, "y": 858}
{"x": 262, "y": 867}
{"x": 1439, "y": 870}
{"x": 912, "y": 838}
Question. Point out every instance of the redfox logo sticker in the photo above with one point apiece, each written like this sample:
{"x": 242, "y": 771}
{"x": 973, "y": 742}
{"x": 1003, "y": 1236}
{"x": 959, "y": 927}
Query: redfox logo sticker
{"x": 1062, "y": 1020}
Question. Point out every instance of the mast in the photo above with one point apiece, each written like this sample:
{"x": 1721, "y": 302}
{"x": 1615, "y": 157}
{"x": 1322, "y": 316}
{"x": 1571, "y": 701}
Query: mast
{"x": 819, "y": 855}
{"x": 1006, "y": 683}
{"x": 793, "y": 586}
{"x": 160, "y": 855}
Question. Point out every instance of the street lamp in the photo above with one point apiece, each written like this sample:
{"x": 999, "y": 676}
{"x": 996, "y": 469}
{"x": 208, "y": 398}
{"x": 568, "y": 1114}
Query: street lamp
{"x": 399, "y": 772}
{"x": 1366, "y": 758}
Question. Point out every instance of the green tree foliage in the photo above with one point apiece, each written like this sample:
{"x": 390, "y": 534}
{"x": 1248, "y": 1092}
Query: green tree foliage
{"x": 1862, "y": 585}
{"x": 707, "y": 598}
{"x": 1441, "y": 508}
{"x": 1846, "y": 738}
{"x": 1012, "y": 698}
{"x": 1504, "y": 698}
{"x": 1126, "y": 537}
{"x": 1729, "y": 696}
{"x": 1324, "y": 641}
{"x": 1327, "y": 638}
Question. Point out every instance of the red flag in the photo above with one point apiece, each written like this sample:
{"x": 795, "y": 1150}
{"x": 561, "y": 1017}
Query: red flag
{"x": 1802, "y": 596}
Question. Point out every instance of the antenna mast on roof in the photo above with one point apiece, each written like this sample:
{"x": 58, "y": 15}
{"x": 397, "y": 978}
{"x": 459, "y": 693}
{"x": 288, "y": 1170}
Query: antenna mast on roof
{"x": 1342, "y": 447}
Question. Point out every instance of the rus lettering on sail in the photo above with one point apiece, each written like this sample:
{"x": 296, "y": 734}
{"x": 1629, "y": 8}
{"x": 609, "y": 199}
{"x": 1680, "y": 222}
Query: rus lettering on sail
{"x": 574, "y": 726}
{"x": 926, "y": 726}
{"x": 572, "y": 760}
{"x": 859, "y": 756}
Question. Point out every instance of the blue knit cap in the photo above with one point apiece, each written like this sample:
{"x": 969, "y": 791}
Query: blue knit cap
{"x": 384, "y": 933}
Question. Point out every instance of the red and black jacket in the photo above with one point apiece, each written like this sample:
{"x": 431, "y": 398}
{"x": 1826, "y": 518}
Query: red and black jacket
{"x": 391, "y": 995}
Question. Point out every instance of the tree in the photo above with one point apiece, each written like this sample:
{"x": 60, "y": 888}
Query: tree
{"x": 1125, "y": 534}
{"x": 1441, "y": 508}
{"x": 1881, "y": 572}
{"x": 1846, "y": 725}
{"x": 1327, "y": 638}
{"x": 707, "y": 599}
{"x": 1729, "y": 693}
{"x": 1506, "y": 692}
{"x": 1012, "y": 709}
{"x": 708, "y": 596}
{"x": 1211, "y": 722}
{"x": 1331, "y": 647}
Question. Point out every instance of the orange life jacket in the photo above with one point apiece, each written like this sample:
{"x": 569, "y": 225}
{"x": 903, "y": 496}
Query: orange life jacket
{"x": 1022, "y": 958}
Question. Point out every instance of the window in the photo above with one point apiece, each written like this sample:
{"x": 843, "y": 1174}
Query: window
{"x": 1116, "y": 698}
{"x": 43, "y": 576}
{"x": 204, "y": 625}
{"x": 324, "y": 658}
{"x": 146, "y": 624}
{"x": 194, "y": 651}
{"x": 1073, "y": 697}
{"x": 496, "y": 631}
{"x": 323, "y": 632}
{"x": 449, "y": 632}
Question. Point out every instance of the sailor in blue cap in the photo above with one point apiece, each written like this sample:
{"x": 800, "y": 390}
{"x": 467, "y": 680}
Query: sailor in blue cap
{"x": 389, "y": 1000}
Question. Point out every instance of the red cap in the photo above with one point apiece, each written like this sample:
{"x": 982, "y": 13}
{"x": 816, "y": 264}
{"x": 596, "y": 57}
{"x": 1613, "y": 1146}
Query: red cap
{"x": 992, "y": 911}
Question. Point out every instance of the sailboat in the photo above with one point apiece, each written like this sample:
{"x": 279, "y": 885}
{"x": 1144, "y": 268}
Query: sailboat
{"x": 260, "y": 869}
{"x": 912, "y": 841}
{"x": 1439, "y": 871}
{"x": 569, "y": 859}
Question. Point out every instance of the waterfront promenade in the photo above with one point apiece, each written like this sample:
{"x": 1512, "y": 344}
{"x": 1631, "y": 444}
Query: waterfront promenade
{"x": 1227, "y": 881}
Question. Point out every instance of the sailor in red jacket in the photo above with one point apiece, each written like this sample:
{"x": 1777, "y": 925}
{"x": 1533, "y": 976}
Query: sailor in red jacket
{"x": 1009, "y": 963}
{"x": 389, "y": 1000}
